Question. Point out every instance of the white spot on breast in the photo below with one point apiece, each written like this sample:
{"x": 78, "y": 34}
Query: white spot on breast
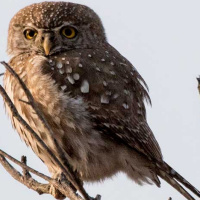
{"x": 103, "y": 60}
{"x": 70, "y": 79}
{"x": 67, "y": 62}
{"x": 85, "y": 87}
{"x": 63, "y": 58}
{"x": 115, "y": 96}
{"x": 98, "y": 69}
{"x": 125, "y": 105}
{"x": 59, "y": 65}
{"x": 105, "y": 83}
{"x": 63, "y": 87}
{"x": 104, "y": 99}
{"x": 80, "y": 65}
{"x": 76, "y": 76}
{"x": 89, "y": 55}
{"x": 112, "y": 63}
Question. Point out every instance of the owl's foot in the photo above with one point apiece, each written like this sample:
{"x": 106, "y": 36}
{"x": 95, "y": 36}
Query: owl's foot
{"x": 56, "y": 193}
{"x": 62, "y": 179}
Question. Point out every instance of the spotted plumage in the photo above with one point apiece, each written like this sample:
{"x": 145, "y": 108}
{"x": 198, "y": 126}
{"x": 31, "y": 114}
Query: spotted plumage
{"x": 92, "y": 97}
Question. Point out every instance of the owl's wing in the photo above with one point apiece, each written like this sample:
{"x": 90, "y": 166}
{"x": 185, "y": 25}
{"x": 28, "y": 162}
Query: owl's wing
{"x": 116, "y": 103}
{"x": 114, "y": 92}
{"x": 124, "y": 119}
{"x": 130, "y": 132}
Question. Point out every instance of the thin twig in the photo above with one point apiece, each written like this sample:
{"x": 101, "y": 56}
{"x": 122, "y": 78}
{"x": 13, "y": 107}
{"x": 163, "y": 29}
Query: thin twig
{"x": 66, "y": 170}
{"x": 24, "y": 166}
{"x": 32, "y": 184}
{"x": 26, "y": 173}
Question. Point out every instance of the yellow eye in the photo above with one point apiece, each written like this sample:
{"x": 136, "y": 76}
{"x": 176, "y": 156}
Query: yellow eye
{"x": 30, "y": 34}
{"x": 69, "y": 32}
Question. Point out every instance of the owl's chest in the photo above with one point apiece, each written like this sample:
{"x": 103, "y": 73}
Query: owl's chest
{"x": 44, "y": 93}
{"x": 20, "y": 100}
{"x": 60, "y": 110}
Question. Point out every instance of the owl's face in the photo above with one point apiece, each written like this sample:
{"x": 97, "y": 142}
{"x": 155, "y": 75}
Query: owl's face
{"x": 52, "y": 27}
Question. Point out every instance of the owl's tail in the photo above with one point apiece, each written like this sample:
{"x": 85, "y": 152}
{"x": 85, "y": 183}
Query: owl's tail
{"x": 175, "y": 180}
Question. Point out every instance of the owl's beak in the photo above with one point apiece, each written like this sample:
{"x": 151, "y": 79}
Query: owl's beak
{"x": 47, "y": 45}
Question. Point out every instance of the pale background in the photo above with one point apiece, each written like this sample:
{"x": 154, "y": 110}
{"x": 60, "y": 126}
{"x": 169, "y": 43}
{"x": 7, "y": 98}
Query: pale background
{"x": 162, "y": 40}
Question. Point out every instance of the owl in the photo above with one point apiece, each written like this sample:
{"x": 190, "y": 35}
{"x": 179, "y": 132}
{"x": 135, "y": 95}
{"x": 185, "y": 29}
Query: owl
{"x": 91, "y": 96}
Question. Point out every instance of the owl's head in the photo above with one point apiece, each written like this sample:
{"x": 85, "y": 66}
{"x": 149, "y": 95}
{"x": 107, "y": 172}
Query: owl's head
{"x": 51, "y": 27}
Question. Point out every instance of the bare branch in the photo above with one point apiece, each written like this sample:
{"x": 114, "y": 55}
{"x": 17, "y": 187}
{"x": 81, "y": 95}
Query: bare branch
{"x": 25, "y": 171}
{"x": 31, "y": 183}
{"x": 24, "y": 166}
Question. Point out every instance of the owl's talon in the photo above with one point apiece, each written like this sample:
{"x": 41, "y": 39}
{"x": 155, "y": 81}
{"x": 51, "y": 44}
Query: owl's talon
{"x": 64, "y": 180}
{"x": 56, "y": 193}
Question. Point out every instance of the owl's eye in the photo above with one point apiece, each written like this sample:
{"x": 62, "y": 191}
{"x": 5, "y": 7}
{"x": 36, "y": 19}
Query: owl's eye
{"x": 30, "y": 34}
{"x": 69, "y": 32}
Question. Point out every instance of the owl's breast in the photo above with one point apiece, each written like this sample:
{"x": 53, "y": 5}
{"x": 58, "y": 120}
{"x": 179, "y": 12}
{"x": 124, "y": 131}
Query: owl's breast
{"x": 66, "y": 115}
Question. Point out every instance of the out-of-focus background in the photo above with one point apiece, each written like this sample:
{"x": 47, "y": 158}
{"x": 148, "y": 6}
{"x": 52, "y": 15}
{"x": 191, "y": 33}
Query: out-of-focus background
{"x": 162, "y": 40}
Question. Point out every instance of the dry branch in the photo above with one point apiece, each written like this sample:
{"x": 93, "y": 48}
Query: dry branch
{"x": 32, "y": 183}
